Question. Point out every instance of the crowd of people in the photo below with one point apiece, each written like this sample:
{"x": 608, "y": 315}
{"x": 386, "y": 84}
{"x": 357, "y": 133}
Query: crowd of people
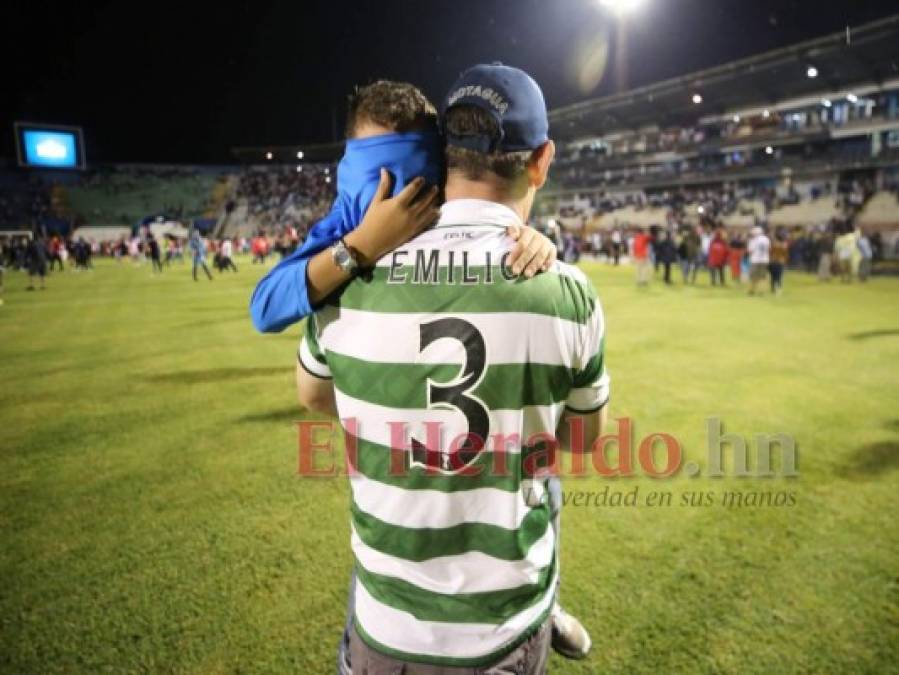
{"x": 766, "y": 123}
{"x": 726, "y": 144}
{"x": 840, "y": 250}
{"x": 756, "y": 200}
{"x": 40, "y": 254}
{"x": 284, "y": 196}
{"x": 275, "y": 196}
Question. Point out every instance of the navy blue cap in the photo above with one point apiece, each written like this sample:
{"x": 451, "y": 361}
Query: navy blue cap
{"x": 512, "y": 98}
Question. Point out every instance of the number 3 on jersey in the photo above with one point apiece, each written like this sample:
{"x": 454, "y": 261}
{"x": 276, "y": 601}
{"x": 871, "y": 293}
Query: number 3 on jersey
{"x": 456, "y": 395}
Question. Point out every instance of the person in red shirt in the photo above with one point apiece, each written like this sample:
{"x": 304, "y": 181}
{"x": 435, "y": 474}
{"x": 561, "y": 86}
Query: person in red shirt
{"x": 55, "y": 253}
{"x": 259, "y": 248}
{"x": 641, "y": 257}
{"x": 736, "y": 250}
{"x": 718, "y": 252}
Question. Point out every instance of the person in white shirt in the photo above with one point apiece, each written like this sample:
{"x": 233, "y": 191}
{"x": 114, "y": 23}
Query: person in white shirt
{"x": 705, "y": 242}
{"x": 225, "y": 251}
{"x": 616, "y": 245}
{"x": 867, "y": 254}
{"x": 759, "y": 250}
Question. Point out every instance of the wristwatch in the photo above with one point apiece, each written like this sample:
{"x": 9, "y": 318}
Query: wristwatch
{"x": 345, "y": 258}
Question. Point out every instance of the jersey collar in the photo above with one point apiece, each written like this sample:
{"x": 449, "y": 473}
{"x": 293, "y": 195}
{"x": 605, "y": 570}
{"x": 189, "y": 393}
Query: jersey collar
{"x": 476, "y": 212}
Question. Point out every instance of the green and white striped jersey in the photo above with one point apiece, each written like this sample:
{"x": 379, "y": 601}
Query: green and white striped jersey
{"x": 445, "y": 366}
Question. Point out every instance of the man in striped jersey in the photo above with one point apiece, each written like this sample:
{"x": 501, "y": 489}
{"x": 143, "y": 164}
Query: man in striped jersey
{"x": 452, "y": 375}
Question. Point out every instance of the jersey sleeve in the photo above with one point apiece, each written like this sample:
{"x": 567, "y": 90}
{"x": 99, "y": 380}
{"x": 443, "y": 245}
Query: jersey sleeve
{"x": 281, "y": 298}
{"x": 590, "y": 385}
{"x": 310, "y": 355}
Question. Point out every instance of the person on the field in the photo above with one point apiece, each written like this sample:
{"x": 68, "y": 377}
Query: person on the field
{"x": 641, "y": 257}
{"x": 36, "y": 255}
{"x": 846, "y": 249}
{"x": 259, "y": 248}
{"x": 705, "y": 241}
{"x": 419, "y": 604}
{"x": 866, "y": 254}
{"x": 134, "y": 247}
{"x": 689, "y": 255}
{"x": 391, "y": 125}
{"x": 717, "y": 257}
{"x": 54, "y": 250}
{"x": 666, "y": 254}
{"x": 169, "y": 249}
{"x": 825, "y": 246}
{"x": 759, "y": 250}
{"x": 778, "y": 256}
{"x": 198, "y": 251}
{"x": 226, "y": 250}
{"x": 616, "y": 246}
{"x": 736, "y": 249}
{"x": 155, "y": 256}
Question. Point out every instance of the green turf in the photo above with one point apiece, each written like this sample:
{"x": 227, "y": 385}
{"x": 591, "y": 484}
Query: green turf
{"x": 152, "y": 519}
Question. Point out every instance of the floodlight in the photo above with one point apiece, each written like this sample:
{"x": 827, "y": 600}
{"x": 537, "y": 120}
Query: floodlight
{"x": 769, "y": 150}
{"x": 697, "y": 99}
{"x": 622, "y": 7}
{"x": 812, "y": 72}
{"x": 766, "y": 113}
{"x": 300, "y": 154}
{"x": 268, "y": 155}
{"x": 852, "y": 98}
{"x": 736, "y": 119}
{"x": 826, "y": 102}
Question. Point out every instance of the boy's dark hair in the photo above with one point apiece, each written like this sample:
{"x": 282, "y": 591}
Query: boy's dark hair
{"x": 396, "y": 105}
{"x": 468, "y": 120}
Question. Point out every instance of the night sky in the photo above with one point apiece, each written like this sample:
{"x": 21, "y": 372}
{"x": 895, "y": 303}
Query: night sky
{"x": 157, "y": 82}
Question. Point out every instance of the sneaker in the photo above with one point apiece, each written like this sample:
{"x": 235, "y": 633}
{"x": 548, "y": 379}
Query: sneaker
{"x": 569, "y": 637}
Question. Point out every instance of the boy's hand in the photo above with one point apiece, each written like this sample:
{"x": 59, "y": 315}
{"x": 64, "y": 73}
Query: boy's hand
{"x": 391, "y": 222}
{"x": 533, "y": 252}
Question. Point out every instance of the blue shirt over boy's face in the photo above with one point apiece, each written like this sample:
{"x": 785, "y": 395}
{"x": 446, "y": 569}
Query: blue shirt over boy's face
{"x": 405, "y": 156}
{"x": 281, "y": 298}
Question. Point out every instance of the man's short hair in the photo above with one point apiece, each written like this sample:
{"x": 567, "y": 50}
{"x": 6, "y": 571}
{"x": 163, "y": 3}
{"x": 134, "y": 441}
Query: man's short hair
{"x": 468, "y": 120}
{"x": 399, "y": 106}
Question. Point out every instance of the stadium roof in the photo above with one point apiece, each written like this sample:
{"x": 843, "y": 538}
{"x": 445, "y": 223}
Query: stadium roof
{"x": 290, "y": 154}
{"x": 867, "y": 55}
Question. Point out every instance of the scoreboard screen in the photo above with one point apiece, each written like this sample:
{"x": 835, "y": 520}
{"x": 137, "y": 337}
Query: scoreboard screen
{"x": 49, "y": 147}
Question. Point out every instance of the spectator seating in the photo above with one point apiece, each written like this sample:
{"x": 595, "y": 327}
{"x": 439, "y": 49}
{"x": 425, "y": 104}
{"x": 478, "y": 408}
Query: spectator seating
{"x": 813, "y": 212}
{"x": 880, "y": 212}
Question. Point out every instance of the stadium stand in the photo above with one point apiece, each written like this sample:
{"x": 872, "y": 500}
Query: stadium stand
{"x": 765, "y": 145}
{"x": 752, "y": 142}
{"x": 106, "y": 201}
{"x": 881, "y": 211}
{"x": 267, "y": 197}
{"x": 124, "y": 194}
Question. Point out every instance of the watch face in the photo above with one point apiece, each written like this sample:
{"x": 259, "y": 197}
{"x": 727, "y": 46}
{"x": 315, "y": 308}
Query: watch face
{"x": 343, "y": 258}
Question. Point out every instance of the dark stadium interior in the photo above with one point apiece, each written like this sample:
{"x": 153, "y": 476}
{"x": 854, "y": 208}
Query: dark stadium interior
{"x": 234, "y": 335}
{"x": 113, "y": 68}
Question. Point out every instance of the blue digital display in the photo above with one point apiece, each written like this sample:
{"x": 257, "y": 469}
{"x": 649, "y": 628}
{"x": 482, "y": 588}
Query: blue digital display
{"x": 54, "y": 149}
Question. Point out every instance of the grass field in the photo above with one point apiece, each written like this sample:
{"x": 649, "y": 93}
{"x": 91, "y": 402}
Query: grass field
{"x": 153, "y": 520}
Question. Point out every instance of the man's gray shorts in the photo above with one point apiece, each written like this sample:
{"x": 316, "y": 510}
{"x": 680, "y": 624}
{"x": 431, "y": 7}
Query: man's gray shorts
{"x": 529, "y": 658}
